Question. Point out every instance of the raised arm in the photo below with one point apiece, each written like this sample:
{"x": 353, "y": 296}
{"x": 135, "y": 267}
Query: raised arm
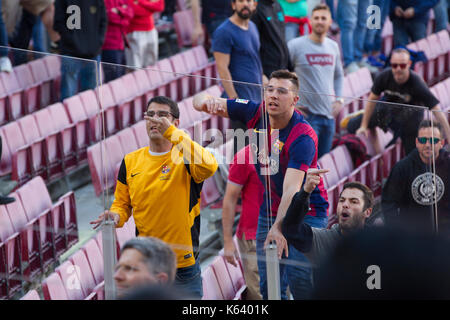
{"x": 204, "y": 102}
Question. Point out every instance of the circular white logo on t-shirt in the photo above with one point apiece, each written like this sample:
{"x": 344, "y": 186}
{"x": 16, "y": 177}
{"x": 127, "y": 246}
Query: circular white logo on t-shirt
{"x": 424, "y": 191}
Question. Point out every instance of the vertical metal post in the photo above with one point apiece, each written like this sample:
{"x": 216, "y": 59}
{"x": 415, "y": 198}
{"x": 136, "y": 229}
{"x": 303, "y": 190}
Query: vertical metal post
{"x": 273, "y": 273}
{"x": 109, "y": 258}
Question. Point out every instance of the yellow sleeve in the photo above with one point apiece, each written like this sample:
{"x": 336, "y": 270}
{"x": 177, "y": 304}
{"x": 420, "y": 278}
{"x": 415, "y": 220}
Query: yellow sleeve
{"x": 122, "y": 202}
{"x": 202, "y": 163}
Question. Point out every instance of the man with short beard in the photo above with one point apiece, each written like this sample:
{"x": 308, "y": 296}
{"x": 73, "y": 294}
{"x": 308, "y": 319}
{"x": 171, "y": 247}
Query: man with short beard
{"x": 354, "y": 207}
{"x": 236, "y": 45}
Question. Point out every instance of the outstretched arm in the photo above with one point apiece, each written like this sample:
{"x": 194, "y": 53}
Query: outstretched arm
{"x": 204, "y": 102}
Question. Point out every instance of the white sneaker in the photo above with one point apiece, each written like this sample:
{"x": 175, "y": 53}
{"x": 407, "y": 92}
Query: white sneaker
{"x": 365, "y": 64}
{"x": 352, "y": 67}
{"x": 5, "y": 64}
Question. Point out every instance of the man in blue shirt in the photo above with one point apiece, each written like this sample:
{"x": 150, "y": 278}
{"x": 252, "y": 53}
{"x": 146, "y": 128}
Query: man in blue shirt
{"x": 281, "y": 167}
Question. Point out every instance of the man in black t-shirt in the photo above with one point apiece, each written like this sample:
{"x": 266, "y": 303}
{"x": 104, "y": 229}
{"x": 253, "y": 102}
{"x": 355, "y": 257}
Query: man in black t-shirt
{"x": 401, "y": 87}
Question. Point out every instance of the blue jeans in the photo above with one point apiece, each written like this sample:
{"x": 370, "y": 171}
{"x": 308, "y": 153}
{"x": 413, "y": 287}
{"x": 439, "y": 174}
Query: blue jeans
{"x": 291, "y": 31}
{"x": 3, "y": 35}
{"x": 189, "y": 279}
{"x": 404, "y": 30}
{"x": 78, "y": 75}
{"x": 373, "y": 41}
{"x": 330, "y": 3}
{"x": 299, "y": 275}
{"x": 441, "y": 15}
{"x": 352, "y": 18}
{"x": 324, "y": 129}
{"x": 116, "y": 69}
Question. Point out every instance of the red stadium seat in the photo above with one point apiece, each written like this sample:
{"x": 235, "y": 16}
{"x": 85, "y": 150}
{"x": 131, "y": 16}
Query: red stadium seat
{"x": 31, "y": 295}
{"x": 66, "y": 136}
{"x": 30, "y": 87}
{"x": 127, "y": 140}
{"x": 95, "y": 258}
{"x": 223, "y": 278}
{"x": 94, "y": 154}
{"x": 430, "y": 76}
{"x": 109, "y": 108}
{"x": 440, "y": 54}
{"x": 134, "y": 94}
{"x": 194, "y": 68}
{"x": 16, "y": 163}
{"x": 93, "y": 112}
{"x": 184, "y": 26}
{"x": 10, "y": 260}
{"x": 53, "y": 66}
{"x": 145, "y": 88}
{"x": 53, "y": 288}
{"x": 156, "y": 81}
{"x": 70, "y": 215}
{"x": 70, "y": 275}
{"x": 208, "y": 68}
{"x": 140, "y": 132}
{"x": 123, "y": 100}
{"x": 181, "y": 70}
{"x": 77, "y": 115}
{"x": 387, "y": 37}
{"x": 4, "y": 113}
{"x": 210, "y": 193}
{"x": 169, "y": 78}
{"x": 211, "y": 287}
{"x": 15, "y": 105}
{"x": 445, "y": 45}
{"x": 44, "y": 79}
{"x": 48, "y": 131}
{"x": 87, "y": 280}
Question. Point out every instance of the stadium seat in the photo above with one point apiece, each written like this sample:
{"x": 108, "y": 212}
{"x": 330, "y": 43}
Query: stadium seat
{"x": 109, "y": 108}
{"x": 53, "y": 66}
{"x": 15, "y": 105}
{"x": 10, "y": 260}
{"x": 387, "y": 37}
{"x": 30, "y": 88}
{"x": 211, "y": 287}
{"x": 95, "y": 258}
{"x": 423, "y": 45}
{"x": 181, "y": 69}
{"x": 13, "y": 138}
{"x": 29, "y": 238}
{"x": 31, "y": 295}
{"x": 419, "y": 66}
{"x": 210, "y": 193}
{"x": 145, "y": 88}
{"x": 157, "y": 81}
{"x": 440, "y": 54}
{"x": 445, "y": 45}
{"x": 208, "y": 68}
{"x": 70, "y": 277}
{"x": 59, "y": 229}
{"x": 140, "y": 132}
{"x": 134, "y": 93}
{"x": 44, "y": 79}
{"x": 194, "y": 68}
{"x": 444, "y": 95}
{"x": 53, "y": 288}
{"x": 237, "y": 278}
{"x": 35, "y": 149}
{"x": 169, "y": 79}
{"x": 93, "y": 112}
{"x": 127, "y": 140}
{"x": 48, "y": 131}
{"x": 87, "y": 280}
{"x": 66, "y": 135}
{"x": 78, "y": 117}
{"x": 70, "y": 214}
{"x": 95, "y": 161}
{"x": 123, "y": 100}
{"x": 223, "y": 278}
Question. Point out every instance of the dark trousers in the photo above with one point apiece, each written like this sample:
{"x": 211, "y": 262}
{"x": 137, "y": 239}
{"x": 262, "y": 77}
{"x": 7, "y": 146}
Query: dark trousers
{"x": 116, "y": 69}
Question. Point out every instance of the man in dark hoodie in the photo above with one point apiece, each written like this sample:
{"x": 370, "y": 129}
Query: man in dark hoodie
{"x": 82, "y": 26}
{"x": 354, "y": 207}
{"x": 410, "y": 19}
{"x": 414, "y": 185}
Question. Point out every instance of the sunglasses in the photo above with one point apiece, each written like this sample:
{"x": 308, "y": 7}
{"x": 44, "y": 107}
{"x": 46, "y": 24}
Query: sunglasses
{"x": 423, "y": 140}
{"x": 401, "y": 65}
{"x": 280, "y": 90}
{"x": 160, "y": 114}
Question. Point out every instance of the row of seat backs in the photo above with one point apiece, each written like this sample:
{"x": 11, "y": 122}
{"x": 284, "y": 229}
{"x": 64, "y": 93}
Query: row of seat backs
{"x": 34, "y": 232}
{"x": 29, "y": 87}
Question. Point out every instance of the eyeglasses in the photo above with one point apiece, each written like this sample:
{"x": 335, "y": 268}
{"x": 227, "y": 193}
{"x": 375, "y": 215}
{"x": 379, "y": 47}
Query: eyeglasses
{"x": 160, "y": 114}
{"x": 423, "y": 140}
{"x": 280, "y": 90}
{"x": 401, "y": 65}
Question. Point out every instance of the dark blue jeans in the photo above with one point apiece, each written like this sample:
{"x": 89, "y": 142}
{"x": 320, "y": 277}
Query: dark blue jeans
{"x": 406, "y": 31}
{"x": 295, "y": 271}
{"x": 324, "y": 129}
{"x": 77, "y": 75}
{"x": 189, "y": 279}
{"x": 114, "y": 68}
{"x": 372, "y": 42}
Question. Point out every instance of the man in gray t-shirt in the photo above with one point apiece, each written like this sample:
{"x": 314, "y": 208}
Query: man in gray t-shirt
{"x": 318, "y": 66}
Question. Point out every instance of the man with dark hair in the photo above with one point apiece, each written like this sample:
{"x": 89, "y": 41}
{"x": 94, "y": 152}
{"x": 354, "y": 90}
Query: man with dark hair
{"x": 406, "y": 89}
{"x": 354, "y": 207}
{"x": 419, "y": 184}
{"x": 144, "y": 261}
{"x": 149, "y": 178}
{"x": 281, "y": 166}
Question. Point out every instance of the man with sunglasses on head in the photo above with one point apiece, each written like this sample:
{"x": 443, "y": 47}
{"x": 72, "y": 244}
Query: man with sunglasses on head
{"x": 413, "y": 186}
{"x": 401, "y": 86}
{"x": 160, "y": 186}
{"x": 289, "y": 150}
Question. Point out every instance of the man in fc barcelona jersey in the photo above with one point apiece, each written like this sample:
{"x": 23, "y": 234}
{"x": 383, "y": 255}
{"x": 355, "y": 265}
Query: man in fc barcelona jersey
{"x": 160, "y": 186}
{"x": 291, "y": 152}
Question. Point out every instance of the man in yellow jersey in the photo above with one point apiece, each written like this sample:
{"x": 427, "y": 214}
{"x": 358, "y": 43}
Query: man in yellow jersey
{"x": 160, "y": 185}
